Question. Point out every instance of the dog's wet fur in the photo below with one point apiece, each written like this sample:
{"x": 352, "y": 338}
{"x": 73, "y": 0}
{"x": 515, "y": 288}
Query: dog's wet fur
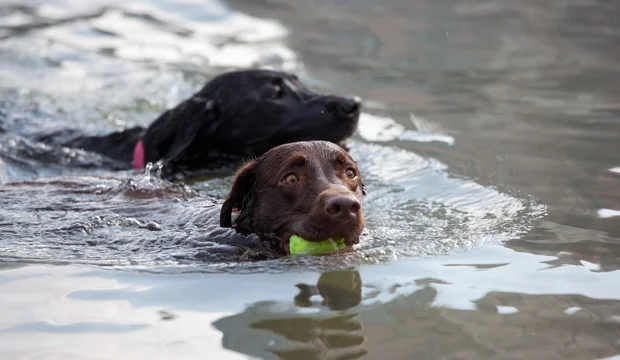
{"x": 312, "y": 189}
{"x": 235, "y": 116}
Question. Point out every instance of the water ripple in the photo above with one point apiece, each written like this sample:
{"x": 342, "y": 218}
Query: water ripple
{"x": 413, "y": 208}
{"x": 121, "y": 63}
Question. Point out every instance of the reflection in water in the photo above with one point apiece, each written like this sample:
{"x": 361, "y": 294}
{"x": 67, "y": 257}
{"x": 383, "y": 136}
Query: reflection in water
{"x": 573, "y": 246}
{"x": 340, "y": 290}
{"x": 517, "y": 96}
{"x": 499, "y": 325}
{"x": 414, "y": 309}
{"x": 303, "y": 336}
{"x": 502, "y": 326}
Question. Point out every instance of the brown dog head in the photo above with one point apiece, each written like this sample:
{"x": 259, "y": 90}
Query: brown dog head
{"x": 312, "y": 189}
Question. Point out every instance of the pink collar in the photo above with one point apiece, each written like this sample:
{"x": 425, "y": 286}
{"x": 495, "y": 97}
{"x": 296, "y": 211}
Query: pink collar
{"x": 138, "y": 155}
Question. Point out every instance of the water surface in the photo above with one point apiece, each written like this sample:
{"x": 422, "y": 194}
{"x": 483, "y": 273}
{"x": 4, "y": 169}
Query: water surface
{"x": 489, "y": 144}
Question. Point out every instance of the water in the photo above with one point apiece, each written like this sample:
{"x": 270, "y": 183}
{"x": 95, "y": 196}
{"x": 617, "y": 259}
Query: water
{"x": 488, "y": 142}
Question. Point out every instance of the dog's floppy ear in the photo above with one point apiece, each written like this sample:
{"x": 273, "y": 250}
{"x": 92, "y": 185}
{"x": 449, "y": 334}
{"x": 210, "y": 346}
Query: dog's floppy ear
{"x": 198, "y": 116}
{"x": 241, "y": 197}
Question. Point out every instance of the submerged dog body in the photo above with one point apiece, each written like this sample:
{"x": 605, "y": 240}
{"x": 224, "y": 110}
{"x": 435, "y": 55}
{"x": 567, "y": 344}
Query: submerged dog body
{"x": 236, "y": 115}
{"x": 312, "y": 189}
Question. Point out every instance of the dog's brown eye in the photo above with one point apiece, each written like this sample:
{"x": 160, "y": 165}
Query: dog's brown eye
{"x": 291, "y": 179}
{"x": 350, "y": 174}
{"x": 277, "y": 94}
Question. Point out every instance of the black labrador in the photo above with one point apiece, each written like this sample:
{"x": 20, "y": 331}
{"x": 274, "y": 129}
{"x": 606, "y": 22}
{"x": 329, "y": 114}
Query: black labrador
{"x": 236, "y": 115}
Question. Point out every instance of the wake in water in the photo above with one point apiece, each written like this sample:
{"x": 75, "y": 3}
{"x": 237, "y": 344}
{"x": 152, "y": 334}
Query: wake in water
{"x": 412, "y": 208}
{"x": 83, "y": 63}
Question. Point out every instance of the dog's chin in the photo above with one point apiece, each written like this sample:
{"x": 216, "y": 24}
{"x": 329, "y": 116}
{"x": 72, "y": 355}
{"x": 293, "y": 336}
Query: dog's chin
{"x": 340, "y": 129}
{"x": 345, "y": 132}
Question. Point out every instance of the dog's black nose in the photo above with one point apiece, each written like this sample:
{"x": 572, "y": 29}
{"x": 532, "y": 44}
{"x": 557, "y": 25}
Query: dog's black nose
{"x": 350, "y": 105}
{"x": 345, "y": 106}
{"x": 342, "y": 206}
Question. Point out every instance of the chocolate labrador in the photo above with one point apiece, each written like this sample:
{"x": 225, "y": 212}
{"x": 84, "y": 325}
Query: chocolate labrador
{"x": 312, "y": 189}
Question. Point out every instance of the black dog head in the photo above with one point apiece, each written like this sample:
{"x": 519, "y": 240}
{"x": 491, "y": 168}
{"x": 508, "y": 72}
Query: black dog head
{"x": 245, "y": 113}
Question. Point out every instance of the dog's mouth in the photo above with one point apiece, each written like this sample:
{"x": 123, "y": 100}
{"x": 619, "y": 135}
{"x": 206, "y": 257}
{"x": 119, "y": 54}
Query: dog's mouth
{"x": 349, "y": 240}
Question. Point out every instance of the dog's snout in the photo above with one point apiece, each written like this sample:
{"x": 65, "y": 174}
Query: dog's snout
{"x": 350, "y": 105}
{"x": 342, "y": 206}
{"x": 345, "y": 106}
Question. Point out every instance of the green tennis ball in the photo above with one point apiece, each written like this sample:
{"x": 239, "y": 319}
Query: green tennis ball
{"x": 300, "y": 246}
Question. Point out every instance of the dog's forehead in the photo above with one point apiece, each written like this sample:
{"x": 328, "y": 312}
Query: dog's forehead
{"x": 310, "y": 152}
{"x": 260, "y": 77}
